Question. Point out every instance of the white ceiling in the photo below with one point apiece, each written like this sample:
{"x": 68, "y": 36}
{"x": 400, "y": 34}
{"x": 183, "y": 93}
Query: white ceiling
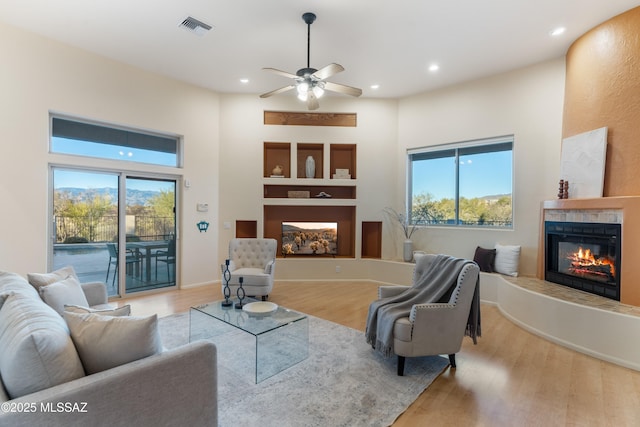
{"x": 378, "y": 42}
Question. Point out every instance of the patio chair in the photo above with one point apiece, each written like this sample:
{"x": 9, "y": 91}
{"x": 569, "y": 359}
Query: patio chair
{"x": 168, "y": 257}
{"x": 132, "y": 258}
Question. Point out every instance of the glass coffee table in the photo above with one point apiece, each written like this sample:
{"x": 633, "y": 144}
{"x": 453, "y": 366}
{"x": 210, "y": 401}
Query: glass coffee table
{"x": 267, "y": 342}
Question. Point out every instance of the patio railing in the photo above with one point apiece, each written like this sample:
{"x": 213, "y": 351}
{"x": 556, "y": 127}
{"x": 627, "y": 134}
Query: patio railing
{"x": 105, "y": 228}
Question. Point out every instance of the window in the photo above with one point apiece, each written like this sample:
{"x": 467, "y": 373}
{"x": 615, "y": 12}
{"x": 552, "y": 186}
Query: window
{"x": 113, "y": 225}
{"x": 107, "y": 142}
{"x": 464, "y": 184}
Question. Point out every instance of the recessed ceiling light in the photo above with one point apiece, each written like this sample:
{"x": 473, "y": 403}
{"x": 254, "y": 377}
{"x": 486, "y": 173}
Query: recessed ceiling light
{"x": 375, "y": 87}
{"x": 558, "y": 31}
{"x": 434, "y": 67}
{"x": 245, "y": 81}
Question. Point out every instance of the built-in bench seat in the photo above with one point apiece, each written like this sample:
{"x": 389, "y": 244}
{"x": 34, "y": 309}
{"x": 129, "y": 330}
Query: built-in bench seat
{"x": 594, "y": 325}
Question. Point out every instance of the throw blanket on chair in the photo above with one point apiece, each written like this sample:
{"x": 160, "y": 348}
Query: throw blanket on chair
{"x": 473, "y": 329}
{"x": 430, "y": 287}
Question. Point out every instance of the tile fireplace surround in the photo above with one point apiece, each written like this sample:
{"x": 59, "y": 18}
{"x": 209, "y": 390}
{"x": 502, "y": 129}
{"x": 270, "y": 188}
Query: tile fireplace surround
{"x": 618, "y": 210}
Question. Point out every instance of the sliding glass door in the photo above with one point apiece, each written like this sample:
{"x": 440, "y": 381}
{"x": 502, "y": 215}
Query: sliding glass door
{"x": 115, "y": 228}
{"x": 150, "y": 228}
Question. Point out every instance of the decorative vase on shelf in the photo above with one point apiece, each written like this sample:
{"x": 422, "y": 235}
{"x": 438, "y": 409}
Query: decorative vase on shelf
{"x": 310, "y": 167}
{"x": 407, "y": 250}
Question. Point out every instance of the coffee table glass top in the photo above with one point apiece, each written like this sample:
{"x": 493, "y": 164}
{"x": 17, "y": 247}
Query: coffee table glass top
{"x": 254, "y": 324}
{"x": 277, "y": 339}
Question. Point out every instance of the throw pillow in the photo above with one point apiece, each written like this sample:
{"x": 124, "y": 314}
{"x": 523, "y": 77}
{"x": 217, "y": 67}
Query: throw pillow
{"x": 485, "y": 259}
{"x": 37, "y": 352}
{"x": 67, "y": 291}
{"x": 125, "y": 310}
{"x": 104, "y": 342}
{"x": 38, "y": 280}
{"x": 507, "y": 259}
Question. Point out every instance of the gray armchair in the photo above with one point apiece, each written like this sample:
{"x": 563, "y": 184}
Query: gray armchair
{"x": 434, "y": 328}
{"x": 255, "y": 261}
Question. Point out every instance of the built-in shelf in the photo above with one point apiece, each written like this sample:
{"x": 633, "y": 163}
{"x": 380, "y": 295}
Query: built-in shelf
{"x": 246, "y": 229}
{"x": 345, "y": 216}
{"x": 277, "y": 154}
{"x": 342, "y": 156}
{"x": 286, "y": 154}
{"x": 281, "y": 204}
{"x": 315, "y": 151}
{"x": 372, "y": 239}
{"x": 283, "y": 191}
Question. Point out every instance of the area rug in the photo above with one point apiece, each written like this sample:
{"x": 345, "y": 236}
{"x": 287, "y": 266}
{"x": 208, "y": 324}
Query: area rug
{"x": 343, "y": 382}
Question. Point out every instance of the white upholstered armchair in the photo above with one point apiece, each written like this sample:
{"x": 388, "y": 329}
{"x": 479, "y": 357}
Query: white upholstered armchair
{"x": 434, "y": 328}
{"x": 255, "y": 261}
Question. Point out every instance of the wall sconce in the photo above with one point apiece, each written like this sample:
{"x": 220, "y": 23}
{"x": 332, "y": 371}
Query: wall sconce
{"x": 203, "y": 226}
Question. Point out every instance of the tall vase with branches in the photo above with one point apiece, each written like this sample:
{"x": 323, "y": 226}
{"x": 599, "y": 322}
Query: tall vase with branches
{"x": 407, "y": 229}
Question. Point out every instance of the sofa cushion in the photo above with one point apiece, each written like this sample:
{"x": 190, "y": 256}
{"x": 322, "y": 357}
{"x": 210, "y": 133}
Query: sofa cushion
{"x": 104, "y": 342}
{"x": 125, "y": 310}
{"x": 67, "y": 291}
{"x": 485, "y": 259}
{"x": 36, "y": 351}
{"x": 12, "y": 282}
{"x": 507, "y": 259}
{"x": 38, "y": 280}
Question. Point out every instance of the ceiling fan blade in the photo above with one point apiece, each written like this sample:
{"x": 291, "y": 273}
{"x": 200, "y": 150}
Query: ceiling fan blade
{"x": 328, "y": 71}
{"x": 277, "y": 91}
{"x": 312, "y": 101}
{"x": 281, "y": 73}
{"x": 347, "y": 90}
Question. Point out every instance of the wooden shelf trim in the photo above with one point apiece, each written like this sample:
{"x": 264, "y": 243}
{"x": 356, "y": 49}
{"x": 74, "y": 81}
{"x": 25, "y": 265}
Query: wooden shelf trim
{"x": 290, "y": 118}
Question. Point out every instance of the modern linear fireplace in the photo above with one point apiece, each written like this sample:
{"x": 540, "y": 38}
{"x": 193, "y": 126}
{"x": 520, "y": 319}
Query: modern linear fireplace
{"x": 584, "y": 256}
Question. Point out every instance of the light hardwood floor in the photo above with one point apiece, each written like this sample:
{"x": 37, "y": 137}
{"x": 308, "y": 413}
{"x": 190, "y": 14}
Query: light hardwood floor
{"x": 511, "y": 378}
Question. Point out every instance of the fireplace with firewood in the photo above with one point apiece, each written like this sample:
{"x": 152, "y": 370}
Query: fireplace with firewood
{"x": 584, "y": 256}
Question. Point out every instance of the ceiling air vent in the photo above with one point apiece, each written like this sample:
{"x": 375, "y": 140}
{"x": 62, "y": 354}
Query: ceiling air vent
{"x": 195, "y": 26}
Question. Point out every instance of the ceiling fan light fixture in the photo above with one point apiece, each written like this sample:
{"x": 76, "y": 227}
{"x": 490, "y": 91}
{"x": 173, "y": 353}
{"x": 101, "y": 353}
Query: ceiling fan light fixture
{"x": 302, "y": 88}
{"x": 318, "y": 91}
{"x": 310, "y": 83}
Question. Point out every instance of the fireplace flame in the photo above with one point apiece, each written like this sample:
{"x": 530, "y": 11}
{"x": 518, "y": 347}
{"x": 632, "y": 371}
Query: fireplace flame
{"x": 585, "y": 262}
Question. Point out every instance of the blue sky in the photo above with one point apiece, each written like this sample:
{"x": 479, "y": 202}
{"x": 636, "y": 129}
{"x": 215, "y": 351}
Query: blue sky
{"x": 108, "y": 151}
{"x": 480, "y": 175}
{"x": 77, "y": 179}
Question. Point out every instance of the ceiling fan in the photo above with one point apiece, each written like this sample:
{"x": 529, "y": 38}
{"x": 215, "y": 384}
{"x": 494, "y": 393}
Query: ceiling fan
{"x": 309, "y": 82}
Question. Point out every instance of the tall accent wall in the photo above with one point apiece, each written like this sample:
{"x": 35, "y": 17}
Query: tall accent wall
{"x": 602, "y": 89}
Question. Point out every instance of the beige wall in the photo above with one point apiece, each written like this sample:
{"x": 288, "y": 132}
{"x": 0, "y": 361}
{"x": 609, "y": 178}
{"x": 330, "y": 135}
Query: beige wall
{"x": 602, "y": 89}
{"x": 526, "y": 103}
{"x": 38, "y": 76}
{"x": 223, "y": 137}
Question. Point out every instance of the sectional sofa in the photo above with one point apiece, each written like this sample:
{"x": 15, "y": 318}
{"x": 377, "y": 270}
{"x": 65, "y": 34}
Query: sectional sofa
{"x": 44, "y": 380}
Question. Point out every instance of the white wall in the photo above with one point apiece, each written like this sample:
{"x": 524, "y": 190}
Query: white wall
{"x": 39, "y": 76}
{"x": 223, "y": 137}
{"x": 241, "y": 161}
{"x": 526, "y": 103}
